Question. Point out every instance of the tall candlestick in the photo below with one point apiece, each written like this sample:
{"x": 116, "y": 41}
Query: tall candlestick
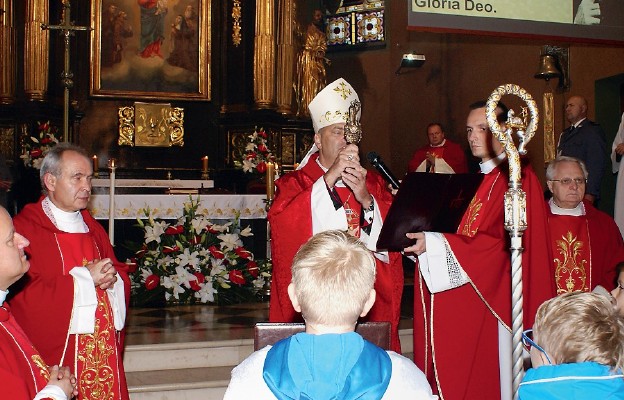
{"x": 204, "y": 167}
{"x": 95, "y": 165}
{"x": 111, "y": 202}
{"x": 205, "y": 164}
{"x": 270, "y": 180}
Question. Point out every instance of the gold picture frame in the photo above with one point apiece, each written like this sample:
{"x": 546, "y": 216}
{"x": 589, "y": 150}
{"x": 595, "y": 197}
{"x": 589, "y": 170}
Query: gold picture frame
{"x": 160, "y": 52}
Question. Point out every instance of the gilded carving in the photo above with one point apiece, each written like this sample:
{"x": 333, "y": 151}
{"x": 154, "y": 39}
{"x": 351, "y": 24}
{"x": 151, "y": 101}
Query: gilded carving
{"x": 7, "y": 53}
{"x": 153, "y": 125}
{"x": 264, "y": 54}
{"x": 36, "y": 50}
{"x": 236, "y": 26}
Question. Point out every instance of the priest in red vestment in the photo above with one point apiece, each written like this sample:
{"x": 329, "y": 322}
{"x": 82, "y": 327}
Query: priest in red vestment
{"x": 23, "y": 374}
{"x": 462, "y": 299}
{"x": 331, "y": 190}
{"x": 75, "y": 287}
{"x": 586, "y": 244}
{"x": 440, "y": 156}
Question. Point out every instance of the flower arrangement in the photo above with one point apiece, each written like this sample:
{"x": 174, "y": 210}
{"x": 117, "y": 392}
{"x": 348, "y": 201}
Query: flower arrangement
{"x": 35, "y": 148}
{"x": 195, "y": 261}
{"x": 257, "y": 152}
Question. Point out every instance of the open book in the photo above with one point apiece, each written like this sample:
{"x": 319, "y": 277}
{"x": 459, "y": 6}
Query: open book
{"x": 427, "y": 202}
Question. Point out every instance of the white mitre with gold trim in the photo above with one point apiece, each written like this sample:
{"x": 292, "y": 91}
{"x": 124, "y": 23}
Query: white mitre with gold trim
{"x": 331, "y": 105}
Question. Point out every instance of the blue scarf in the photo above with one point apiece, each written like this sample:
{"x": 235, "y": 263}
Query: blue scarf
{"x": 327, "y": 367}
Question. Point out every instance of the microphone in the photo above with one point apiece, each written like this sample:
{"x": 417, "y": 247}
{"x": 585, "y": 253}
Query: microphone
{"x": 375, "y": 159}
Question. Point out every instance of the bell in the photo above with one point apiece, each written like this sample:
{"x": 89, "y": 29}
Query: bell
{"x": 547, "y": 68}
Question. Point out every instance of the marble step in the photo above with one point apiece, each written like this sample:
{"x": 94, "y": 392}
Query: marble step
{"x": 193, "y": 370}
{"x": 175, "y": 356}
{"x": 181, "y": 384}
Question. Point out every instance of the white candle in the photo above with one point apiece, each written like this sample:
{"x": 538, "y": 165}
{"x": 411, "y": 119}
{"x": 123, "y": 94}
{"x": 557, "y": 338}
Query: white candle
{"x": 111, "y": 203}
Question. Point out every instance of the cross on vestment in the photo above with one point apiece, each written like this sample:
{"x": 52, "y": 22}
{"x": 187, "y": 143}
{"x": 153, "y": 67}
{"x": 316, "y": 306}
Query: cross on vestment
{"x": 67, "y": 29}
{"x": 457, "y": 201}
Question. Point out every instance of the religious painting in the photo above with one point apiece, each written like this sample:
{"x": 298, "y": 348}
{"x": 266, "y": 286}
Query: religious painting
{"x": 152, "y": 49}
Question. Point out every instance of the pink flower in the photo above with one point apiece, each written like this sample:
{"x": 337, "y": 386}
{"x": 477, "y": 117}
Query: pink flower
{"x": 34, "y": 153}
{"x": 200, "y": 279}
{"x": 174, "y": 230}
{"x": 170, "y": 249}
{"x": 132, "y": 265}
{"x": 242, "y": 253}
{"x": 252, "y": 268}
{"x": 151, "y": 282}
{"x": 236, "y": 277}
{"x": 216, "y": 253}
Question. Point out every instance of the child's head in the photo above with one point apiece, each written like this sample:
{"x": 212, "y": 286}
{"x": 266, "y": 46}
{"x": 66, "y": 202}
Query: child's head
{"x": 333, "y": 275}
{"x": 579, "y": 327}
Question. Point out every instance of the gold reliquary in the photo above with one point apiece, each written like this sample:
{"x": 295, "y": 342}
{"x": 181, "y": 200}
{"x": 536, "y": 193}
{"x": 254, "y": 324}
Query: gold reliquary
{"x": 151, "y": 125}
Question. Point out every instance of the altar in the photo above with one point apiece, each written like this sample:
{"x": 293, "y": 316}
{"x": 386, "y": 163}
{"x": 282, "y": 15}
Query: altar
{"x": 141, "y": 199}
{"x": 171, "y": 206}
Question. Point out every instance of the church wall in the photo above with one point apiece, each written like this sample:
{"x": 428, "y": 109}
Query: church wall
{"x": 459, "y": 70}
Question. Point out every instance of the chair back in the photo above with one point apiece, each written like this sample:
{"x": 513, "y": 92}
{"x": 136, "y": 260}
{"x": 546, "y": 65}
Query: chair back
{"x": 269, "y": 333}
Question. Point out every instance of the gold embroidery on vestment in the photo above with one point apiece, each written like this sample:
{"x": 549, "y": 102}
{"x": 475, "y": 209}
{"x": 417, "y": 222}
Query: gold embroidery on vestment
{"x": 43, "y": 368}
{"x": 572, "y": 266}
{"x": 97, "y": 379}
{"x": 472, "y": 213}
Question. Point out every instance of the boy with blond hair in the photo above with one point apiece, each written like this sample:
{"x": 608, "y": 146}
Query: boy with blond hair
{"x": 576, "y": 347}
{"x": 332, "y": 286}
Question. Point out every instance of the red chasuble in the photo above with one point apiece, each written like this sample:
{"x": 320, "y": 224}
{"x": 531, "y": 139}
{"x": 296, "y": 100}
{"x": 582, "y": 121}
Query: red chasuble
{"x": 450, "y": 152}
{"x": 585, "y": 250}
{"x": 456, "y": 331}
{"x": 95, "y": 359}
{"x": 22, "y": 370}
{"x": 291, "y": 227}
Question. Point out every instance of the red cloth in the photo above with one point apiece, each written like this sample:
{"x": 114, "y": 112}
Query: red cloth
{"x": 291, "y": 227}
{"x": 22, "y": 370}
{"x": 588, "y": 256}
{"x": 47, "y": 287}
{"x": 464, "y": 330}
{"x": 451, "y": 152}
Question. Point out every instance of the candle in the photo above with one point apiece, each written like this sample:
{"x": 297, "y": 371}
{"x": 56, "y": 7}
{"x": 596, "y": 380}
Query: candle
{"x": 204, "y": 164}
{"x": 111, "y": 202}
{"x": 95, "y": 165}
{"x": 270, "y": 180}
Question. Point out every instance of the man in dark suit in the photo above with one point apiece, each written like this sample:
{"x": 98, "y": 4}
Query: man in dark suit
{"x": 585, "y": 140}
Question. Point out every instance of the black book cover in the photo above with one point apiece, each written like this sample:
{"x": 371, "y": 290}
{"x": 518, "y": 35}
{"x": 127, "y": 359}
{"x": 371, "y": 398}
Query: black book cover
{"x": 427, "y": 202}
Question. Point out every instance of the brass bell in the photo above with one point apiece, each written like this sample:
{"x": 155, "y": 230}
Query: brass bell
{"x": 547, "y": 68}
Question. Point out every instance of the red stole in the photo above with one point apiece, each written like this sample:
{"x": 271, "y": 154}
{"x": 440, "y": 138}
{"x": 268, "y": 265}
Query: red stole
{"x": 94, "y": 355}
{"x": 571, "y": 253}
{"x": 353, "y": 210}
{"x": 33, "y": 369}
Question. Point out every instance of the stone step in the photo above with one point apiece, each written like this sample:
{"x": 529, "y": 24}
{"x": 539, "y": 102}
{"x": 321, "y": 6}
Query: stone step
{"x": 193, "y": 370}
{"x": 168, "y": 356}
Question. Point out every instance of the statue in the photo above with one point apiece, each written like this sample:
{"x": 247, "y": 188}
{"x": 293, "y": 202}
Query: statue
{"x": 311, "y": 76}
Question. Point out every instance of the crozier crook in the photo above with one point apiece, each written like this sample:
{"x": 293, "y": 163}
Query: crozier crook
{"x": 515, "y": 203}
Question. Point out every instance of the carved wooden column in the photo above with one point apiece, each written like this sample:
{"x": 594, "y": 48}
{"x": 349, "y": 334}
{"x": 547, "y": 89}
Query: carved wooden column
{"x": 285, "y": 55}
{"x": 7, "y": 52}
{"x": 36, "y": 50}
{"x": 264, "y": 54}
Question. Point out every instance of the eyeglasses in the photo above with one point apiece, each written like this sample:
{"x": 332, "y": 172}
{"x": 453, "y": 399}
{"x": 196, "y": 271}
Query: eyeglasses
{"x": 568, "y": 181}
{"x": 527, "y": 341}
